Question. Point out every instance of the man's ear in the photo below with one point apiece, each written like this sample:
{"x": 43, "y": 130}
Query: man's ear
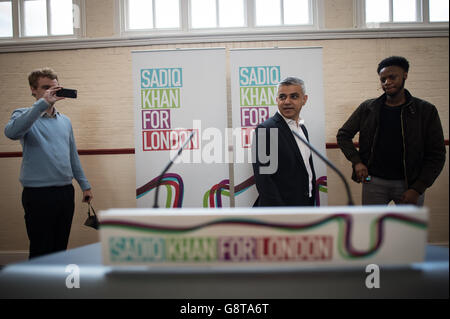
{"x": 405, "y": 75}
{"x": 305, "y": 99}
{"x": 33, "y": 91}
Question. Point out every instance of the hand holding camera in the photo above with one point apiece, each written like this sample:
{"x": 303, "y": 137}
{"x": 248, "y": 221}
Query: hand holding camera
{"x": 70, "y": 93}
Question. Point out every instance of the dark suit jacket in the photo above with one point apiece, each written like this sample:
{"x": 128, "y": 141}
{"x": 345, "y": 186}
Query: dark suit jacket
{"x": 289, "y": 184}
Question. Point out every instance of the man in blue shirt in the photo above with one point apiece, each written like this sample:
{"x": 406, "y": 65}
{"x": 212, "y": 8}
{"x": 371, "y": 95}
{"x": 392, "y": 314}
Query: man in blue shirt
{"x": 50, "y": 162}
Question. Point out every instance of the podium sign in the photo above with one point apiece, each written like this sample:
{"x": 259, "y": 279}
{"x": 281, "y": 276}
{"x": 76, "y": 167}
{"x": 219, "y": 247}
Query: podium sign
{"x": 281, "y": 237}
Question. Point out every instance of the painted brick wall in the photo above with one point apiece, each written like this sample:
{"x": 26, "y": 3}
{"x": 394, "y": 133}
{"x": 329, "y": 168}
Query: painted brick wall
{"x": 102, "y": 116}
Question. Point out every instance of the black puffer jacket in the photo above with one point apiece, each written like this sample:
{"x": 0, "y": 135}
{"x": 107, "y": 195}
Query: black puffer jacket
{"x": 423, "y": 139}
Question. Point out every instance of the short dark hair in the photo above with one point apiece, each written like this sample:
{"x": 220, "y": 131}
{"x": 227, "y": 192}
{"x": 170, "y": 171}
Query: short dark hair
{"x": 34, "y": 76}
{"x": 394, "y": 60}
{"x": 292, "y": 80}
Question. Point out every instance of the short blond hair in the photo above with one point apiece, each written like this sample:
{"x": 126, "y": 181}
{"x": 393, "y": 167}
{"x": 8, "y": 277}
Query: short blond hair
{"x": 35, "y": 75}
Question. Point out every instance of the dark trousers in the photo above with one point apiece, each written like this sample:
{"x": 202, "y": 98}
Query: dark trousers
{"x": 381, "y": 191}
{"x": 48, "y": 217}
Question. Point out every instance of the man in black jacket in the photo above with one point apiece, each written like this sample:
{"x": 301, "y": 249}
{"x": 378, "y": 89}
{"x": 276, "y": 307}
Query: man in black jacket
{"x": 283, "y": 166}
{"x": 401, "y": 143}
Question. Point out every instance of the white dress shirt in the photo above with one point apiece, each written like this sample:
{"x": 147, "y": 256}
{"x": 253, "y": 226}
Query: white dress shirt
{"x": 304, "y": 150}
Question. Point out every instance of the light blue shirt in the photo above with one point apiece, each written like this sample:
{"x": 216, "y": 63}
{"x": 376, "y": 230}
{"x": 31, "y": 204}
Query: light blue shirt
{"x": 50, "y": 156}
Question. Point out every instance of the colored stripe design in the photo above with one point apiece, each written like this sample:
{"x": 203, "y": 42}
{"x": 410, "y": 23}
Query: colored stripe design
{"x": 213, "y": 197}
{"x": 171, "y": 181}
{"x": 321, "y": 186}
{"x": 344, "y": 221}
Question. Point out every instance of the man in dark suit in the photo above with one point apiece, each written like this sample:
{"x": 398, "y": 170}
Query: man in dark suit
{"x": 282, "y": 165}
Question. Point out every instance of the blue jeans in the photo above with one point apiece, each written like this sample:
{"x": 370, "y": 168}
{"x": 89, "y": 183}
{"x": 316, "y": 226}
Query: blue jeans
{"x": 381, "y": 191}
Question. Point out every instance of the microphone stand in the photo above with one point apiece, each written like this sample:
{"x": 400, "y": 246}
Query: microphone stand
{"x": 323, "y": 158}
{"x": 158, "y": 183}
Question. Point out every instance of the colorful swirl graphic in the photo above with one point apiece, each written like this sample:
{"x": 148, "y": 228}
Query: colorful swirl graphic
{"x": 321, "y": 186}
{"x": 223, "y": 188}
{"x": 345, "y": 224}
{"x": 213, "y": 197}
{"x": 170, "y": 180}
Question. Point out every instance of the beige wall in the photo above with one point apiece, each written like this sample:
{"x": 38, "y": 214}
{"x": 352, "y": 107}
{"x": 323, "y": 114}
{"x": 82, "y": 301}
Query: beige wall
{"x": 100, "y": 18}
{"x": 102, "y": 116}
{"x": 338, "y": 14}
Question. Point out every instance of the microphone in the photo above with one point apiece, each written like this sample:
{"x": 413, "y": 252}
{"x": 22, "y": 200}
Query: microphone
{"x": 323, "y": 158}
{"x": 158, "y": 183}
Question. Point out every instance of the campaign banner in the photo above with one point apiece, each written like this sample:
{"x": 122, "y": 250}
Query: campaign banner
{"x": 254, "y": 237}
{"x": 255, "y": 74}
{"x": 180, "y": 100}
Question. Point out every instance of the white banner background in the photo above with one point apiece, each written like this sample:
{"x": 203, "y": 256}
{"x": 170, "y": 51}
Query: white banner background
{"x": 305, "y": 63}
{"x": 197, "y": 91}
